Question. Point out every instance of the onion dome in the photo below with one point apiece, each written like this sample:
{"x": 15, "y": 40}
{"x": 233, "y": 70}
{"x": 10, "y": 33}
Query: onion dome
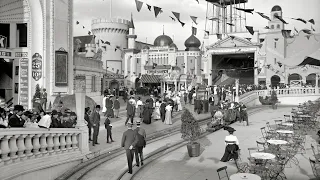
{"x": 163, "y": 40}
{"x": 192, "y": 43}
{"x": 173, "y": 45}
{"x": 276, "y": 8}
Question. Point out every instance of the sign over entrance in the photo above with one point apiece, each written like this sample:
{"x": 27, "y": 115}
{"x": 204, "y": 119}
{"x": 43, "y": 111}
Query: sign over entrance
{"x": 24, "y": 84}
{"x": 36, "y": 66}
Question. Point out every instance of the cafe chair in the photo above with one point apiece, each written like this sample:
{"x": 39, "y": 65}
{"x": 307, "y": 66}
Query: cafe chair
{"x": 287, "y": 118}
{"x": 261, "y": 146}
{"x": 278, "y": 123}
{"x": 223, "y": 173}
{"x": 315, "y": 167}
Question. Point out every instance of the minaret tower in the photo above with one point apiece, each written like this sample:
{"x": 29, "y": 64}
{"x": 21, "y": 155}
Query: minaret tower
{"x": 131, "y": 36}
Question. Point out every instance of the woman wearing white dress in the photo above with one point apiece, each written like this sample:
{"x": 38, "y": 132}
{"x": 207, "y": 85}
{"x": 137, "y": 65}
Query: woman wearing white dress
{"x": 168, "y": 119}
{"x": 156, "y": 112}
{"x": 178, "y": 99}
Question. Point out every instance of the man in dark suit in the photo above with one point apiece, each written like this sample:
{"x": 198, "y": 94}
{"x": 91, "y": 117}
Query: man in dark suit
{"x": 95, "y": 121}
{"x": 130, "y": 112}
{"x": 15, "y": 120}
{"x": 129, "y": 141}
{"x": 163, "y": 110}
{"x": 141, "y": 136}
{"x": 87, "y": 118}
{"x": 108, "y": 126}
{"x": 151, "y": 101}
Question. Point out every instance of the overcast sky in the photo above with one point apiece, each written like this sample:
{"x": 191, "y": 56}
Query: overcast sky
{"x": 148, "y": 27}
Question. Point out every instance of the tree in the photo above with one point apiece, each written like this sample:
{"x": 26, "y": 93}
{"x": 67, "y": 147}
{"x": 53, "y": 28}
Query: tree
{"x": 273, "y": 98}
{"x": 190, "y": 128}
{"x": 37, "y": 94}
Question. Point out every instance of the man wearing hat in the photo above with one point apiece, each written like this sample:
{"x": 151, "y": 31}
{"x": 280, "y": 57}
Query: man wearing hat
{"x": 108, "y": 126}
{"x": 37, "y": 107}
{"x": 55, "y": 121}
{"x": 129, "y": 141}
{"x": 95, "y": 121}
{"x": 141, "y": 135}
{"x": 15, "y": 120}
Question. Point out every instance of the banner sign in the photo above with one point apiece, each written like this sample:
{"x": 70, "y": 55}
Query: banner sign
{"x": 114, "y": 76}
{"x": 21, "y": 54}
{"x": 36, "y": 66}
{"x": 157, "y": 71}
{"x": 4, "y": 53}
{"x": 24, "y": 84}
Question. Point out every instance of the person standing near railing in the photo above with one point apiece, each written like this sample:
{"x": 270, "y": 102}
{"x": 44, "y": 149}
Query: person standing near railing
{"x": 15, "y": 120}
{"x": 95, "y": 120}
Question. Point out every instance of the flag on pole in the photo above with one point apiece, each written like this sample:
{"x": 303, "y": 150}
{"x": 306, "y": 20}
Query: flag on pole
{"x": 139, "y": 5}
{"x": 250, "y": 29}
{"x": 156, "y": 10}
{"x": 194, "y": 31}
{"x": 194, "y": 19}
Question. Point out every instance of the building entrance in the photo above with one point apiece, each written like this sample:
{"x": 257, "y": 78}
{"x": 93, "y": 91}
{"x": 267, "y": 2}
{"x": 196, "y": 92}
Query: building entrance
{"x": 6, "y": 80}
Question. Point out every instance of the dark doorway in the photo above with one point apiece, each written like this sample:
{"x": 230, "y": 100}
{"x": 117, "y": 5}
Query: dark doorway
{"x": 275, "y": 81}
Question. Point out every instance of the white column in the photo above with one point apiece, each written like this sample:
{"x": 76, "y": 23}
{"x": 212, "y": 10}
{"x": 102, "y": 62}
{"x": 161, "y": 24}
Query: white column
{"x": 13, "y": 35}
{"x": 210, "y": 70}
{"x": 185, "y": 61}
{"x": 317, "y": 84}
{"x": 80, "y": 96}
{"x": 236, "y": 99}
{"x": 167, "y": 87}
{"x": 175, "y": 86}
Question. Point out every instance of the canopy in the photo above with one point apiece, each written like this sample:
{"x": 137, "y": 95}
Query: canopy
{"x": 152, "y": 79}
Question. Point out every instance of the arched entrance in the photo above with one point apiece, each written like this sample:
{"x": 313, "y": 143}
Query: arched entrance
{"x": 293, "y": 77}
{"x": 275, "y": 81}
{"x": 114, "y": 84}
{"x": 137, "y": 83}
{"x": 311, "y": 79}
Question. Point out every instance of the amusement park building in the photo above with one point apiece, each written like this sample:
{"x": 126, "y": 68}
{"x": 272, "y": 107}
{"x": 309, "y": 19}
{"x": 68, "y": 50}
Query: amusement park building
{"x": 279, "y": 59}
{"x": 36, "y": 43}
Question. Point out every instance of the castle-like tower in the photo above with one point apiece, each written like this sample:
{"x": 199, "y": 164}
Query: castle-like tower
{"x": 115, "y": 32}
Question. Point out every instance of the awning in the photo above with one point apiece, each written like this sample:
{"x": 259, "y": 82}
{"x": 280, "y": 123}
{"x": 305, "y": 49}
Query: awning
{"x": 152, "y": 79}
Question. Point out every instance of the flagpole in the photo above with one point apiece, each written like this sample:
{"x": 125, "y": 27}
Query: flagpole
{"x": 110, "y": 9}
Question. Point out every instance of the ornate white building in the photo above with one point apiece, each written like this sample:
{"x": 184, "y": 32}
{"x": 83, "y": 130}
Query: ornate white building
{"x": 36, "y": 42}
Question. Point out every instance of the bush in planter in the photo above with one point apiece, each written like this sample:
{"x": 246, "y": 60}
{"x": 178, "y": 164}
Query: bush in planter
{"x": 274, "y": 99}
{"x": 191, "y": 132}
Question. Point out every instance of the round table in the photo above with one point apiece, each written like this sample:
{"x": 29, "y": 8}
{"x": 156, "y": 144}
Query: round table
{"x": 277, "y": 142}
{"x": 284, "y": 131}
{"x": 264, "y": 156}
{"x": 287, "y": 124}
{"x": 244, "y": 176}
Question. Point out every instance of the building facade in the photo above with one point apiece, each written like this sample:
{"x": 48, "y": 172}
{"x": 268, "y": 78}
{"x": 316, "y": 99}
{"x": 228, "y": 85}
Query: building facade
{"x": 36, "y": 42}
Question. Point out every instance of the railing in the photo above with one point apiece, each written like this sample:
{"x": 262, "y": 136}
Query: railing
{"x": 19, "y": 144}
{"x": 90, "y": 63}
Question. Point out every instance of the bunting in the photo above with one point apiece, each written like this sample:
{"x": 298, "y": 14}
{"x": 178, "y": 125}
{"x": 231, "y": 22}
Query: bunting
{"x": 139, "y": 5}
{"x": 286, "y": 33}
{"x": 264, "y": 16}
{"x": 311, "y": 21}
{"x": 77, "y": 22}
{"x": 156, "y": 10}
{"x": 301, "y": 20}
{"x": 177, "y": 15}
{"x": 296, "y": 30}
{"x": 197, "y": 1}
{"x": 280, "y": 64}
{"x": 313, "y": 29}
{"x": 172, "y": 18}
{"x": 250, "y": 29}
{"x": 259, "y": 70}
{"x": 246, "y": 10}
{"x": 194, "y": 19}
{"x": 149, "y": 7}
{"x": 307, "y": 31}
{"x": 230, "y": 24}
{"x": 280, "y": 18}
{"x": 219, "y": 36}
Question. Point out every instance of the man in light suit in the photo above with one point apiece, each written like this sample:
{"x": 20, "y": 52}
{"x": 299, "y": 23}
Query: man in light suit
{"x": 129, "y": 141}
{"x": 95, "y": 121}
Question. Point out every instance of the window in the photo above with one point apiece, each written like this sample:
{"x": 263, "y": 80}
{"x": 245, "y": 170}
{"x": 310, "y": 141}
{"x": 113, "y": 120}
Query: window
{"x": 4, "y": 35}
{"x": 278, "y": 26}
{"x": 22, "y": 34}
{"x": 93, "y": 84}
{"x": 275, "y": 61}
{"x": 272, "y": 26}
{"x": 275, "y": 45}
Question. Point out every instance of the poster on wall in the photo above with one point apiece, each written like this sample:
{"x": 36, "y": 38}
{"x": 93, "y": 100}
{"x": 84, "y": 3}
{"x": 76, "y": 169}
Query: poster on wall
{"x": 36, "y": 66}
{"x": 61, "y": 68}
{"x": 23, "y": 81}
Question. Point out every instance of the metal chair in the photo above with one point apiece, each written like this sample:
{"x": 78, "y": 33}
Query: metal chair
{"x": 261, "y": 146}
{"x": 223, "y": 171}
{"x": 287, "y": 118}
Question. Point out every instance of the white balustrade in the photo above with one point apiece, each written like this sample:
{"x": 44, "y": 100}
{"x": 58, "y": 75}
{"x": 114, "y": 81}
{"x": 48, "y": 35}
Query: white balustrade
{"x": 21, "y": 144}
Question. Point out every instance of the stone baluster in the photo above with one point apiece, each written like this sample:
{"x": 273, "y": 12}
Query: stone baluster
{"x": 75, "y": 141}
{"x": 5, "y": 150}
{"x": 13, "y": 148}
{"x": 56, "y": 143}
{"x": 21, "y": 147}
{"x": 63, "y": 142}
{"x": 36, "y": 145}
{"x": 69, "y": 142}
{"x": 28, "y": 144}
{"x": 43, "y": 144}
{"x": 50, "y": 144}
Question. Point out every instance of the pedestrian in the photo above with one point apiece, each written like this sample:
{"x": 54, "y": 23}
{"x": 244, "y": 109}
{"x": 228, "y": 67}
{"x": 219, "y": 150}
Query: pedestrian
{"x": 45, "y": 121}
{"x": 163, "y": 110}
{"x": 141, "y": 135}
{"x": 87, "y": 118}
{"x": 129, "y": 141}
{"x": 95, "y": 121}
{"x": 130, "y": 112}
{"x": 15, "y": 120}
{"x": 116, "y": 106}
{"x": 108, "y": 126}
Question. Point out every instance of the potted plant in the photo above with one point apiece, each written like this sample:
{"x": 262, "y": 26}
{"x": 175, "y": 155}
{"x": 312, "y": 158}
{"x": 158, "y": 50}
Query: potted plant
{"x": 274, "y": 99}
{"x": 190, "y": 131}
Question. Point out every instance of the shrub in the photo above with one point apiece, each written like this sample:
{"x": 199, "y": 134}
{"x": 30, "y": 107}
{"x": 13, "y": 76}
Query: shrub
{"x": 37, "y": 94}
{"x": 190, "y": 128}
{"x": 274, "y": 98}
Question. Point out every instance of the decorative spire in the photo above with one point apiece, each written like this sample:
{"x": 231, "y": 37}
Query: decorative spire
{"x": 131, "y": 25}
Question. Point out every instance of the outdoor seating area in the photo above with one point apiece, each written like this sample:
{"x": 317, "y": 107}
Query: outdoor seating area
{"x": 281, "y": 140}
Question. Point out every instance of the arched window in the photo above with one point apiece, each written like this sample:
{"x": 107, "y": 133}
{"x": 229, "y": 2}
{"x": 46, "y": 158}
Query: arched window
{"x": 278, "y": 26}
{"x": 272, "y": 26}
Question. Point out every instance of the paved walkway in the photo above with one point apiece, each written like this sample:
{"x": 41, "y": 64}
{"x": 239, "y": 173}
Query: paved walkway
{"x": 110, "y": 169}
{"x": 177, "y": 165}
{"x": 118, "y": 128}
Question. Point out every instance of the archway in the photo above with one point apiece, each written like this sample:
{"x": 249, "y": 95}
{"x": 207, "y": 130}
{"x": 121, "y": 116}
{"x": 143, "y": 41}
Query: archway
{"x": 311, "y": 79}
{"x": 114, "y": 85}
{"x": 275, "y": 81}
{"x": 293, "y": 77}
{"x": 137, "y": 83}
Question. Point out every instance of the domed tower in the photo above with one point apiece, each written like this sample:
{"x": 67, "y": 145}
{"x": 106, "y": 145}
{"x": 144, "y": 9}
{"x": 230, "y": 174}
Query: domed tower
{"x": 115, "y": 31}
{"x": 275, "y": 24}
{"x": 162, "y": 41}
{"x": 194, "y": 57}
{"x": 91, "y": 49}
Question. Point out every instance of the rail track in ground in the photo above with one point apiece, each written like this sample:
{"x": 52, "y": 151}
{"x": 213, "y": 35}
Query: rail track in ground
{"x": 99, "y": 158}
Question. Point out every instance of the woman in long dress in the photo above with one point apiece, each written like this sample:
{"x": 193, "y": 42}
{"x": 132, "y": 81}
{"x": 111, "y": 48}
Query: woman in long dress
{"x": 147, "y": 113}
{"x": 178, "y": 99}
{"x": 156, "y": 112}
{"x": 168, "y": 119}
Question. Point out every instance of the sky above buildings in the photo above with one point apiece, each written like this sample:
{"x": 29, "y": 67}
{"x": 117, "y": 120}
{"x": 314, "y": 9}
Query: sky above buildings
{"x": 148, "y": 27}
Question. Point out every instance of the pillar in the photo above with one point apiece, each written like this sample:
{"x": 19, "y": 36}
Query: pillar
{"x": 175, "y": 86}
{"x": 236, "y": 99}
{"x": 13, "y": 35}
{"x": 167, "y": 88}
{"x": 185, "y": 86}
{"x": 210, "y": 70}
{"x": 317, "y": 84}
{"x": 80, "y": 96}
